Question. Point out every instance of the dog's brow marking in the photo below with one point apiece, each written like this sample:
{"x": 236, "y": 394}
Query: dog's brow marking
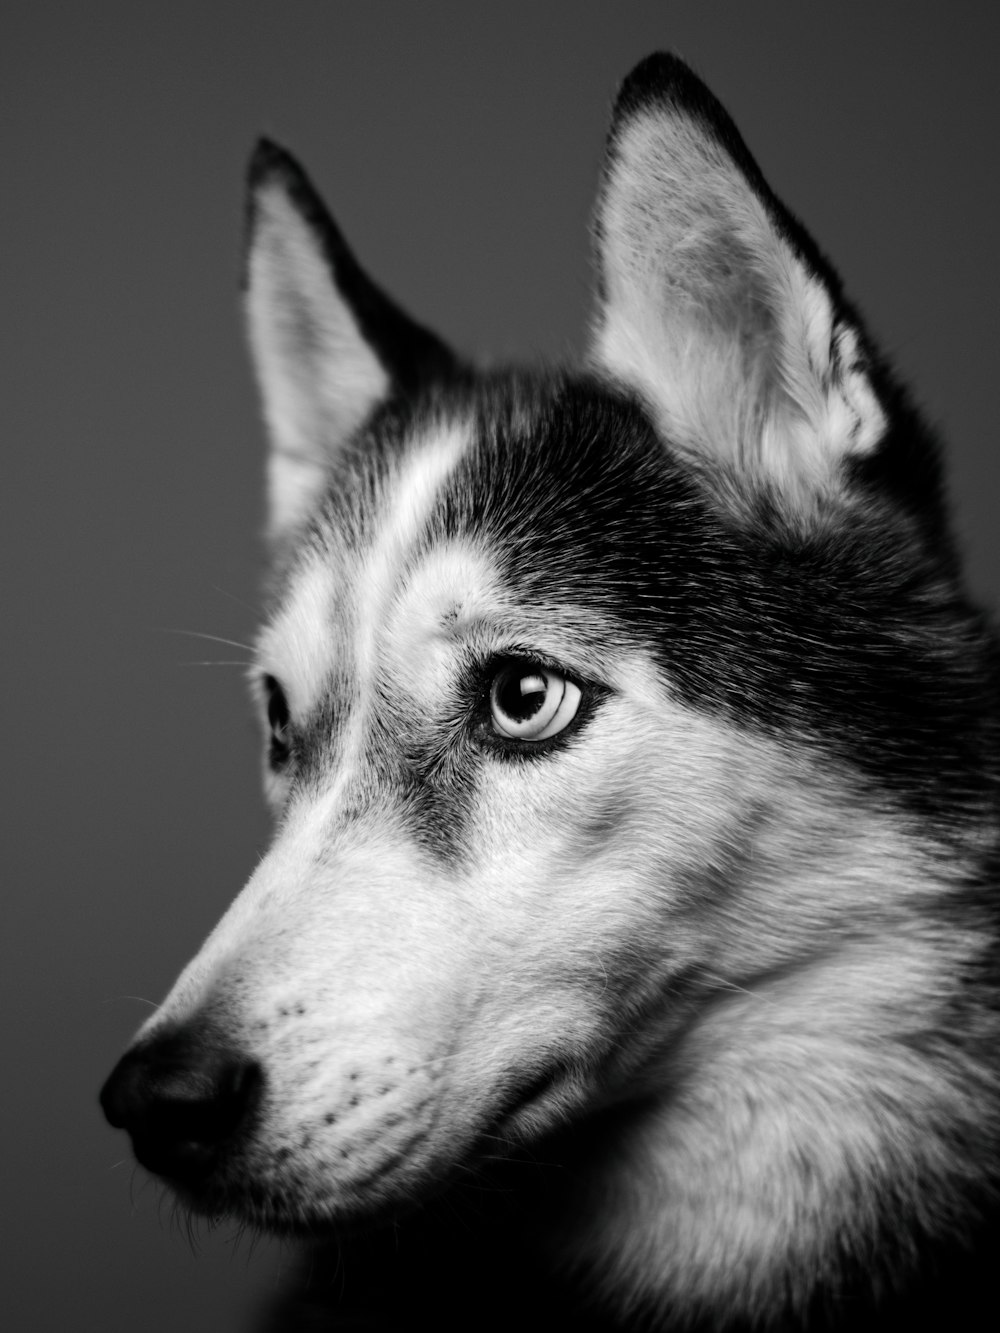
{"x": 444, "y": 600}
{"x": 413, "y": 492}
{"x": 300, "y": 642}
{"x": 410, "y": 497}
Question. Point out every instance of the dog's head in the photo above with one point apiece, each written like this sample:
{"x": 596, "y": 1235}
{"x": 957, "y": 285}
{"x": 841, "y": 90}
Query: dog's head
{"x": 559, "y": 670}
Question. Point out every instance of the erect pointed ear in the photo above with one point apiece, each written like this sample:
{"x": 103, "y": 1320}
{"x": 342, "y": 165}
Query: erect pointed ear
{"x": 716, "y": 306}
{"x": 328, "y": 346}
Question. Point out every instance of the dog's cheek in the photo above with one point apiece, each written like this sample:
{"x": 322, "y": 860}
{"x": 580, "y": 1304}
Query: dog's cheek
{"x": 603, "y": 885}
{"x": 596, "y": 843}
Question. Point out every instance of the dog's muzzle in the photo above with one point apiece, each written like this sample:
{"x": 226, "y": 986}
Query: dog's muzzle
{"x": 183, "y": 1097}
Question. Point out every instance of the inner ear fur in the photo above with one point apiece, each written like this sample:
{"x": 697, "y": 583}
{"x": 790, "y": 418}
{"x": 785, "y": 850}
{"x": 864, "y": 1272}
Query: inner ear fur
{"x": 713, "y": 306}
{"x": 328, "y": 346}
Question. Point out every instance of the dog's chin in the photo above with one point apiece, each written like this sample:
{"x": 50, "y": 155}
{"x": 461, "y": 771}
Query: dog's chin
{"x": 277, "y": 1199}
{"x": 288, "y": 1213}
{"x": 299, "y": 1201}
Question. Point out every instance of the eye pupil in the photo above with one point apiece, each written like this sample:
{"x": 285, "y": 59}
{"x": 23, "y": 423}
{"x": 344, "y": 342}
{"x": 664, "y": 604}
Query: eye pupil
{"x": 277, "y": 705}
{"x": 520, "y": 695}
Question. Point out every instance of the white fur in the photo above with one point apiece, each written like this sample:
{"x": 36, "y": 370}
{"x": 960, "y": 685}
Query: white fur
{"x": 318, "y": 378}
{"x": 412, "y": 492}
{"x": 299, "y": 646}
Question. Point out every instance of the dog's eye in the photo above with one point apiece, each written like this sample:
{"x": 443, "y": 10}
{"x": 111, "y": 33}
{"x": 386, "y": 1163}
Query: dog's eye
{"x": 528, "y": 702}
{"x": 278, "y": 719}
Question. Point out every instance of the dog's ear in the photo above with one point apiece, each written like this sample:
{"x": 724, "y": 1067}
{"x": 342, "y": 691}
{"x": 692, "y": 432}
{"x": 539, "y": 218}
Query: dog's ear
{"x": 716, "y": 306}
{"x": 328, "y": 346}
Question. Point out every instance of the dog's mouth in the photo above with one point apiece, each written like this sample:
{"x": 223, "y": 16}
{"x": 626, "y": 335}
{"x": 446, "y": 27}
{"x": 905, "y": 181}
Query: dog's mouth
{"x": 342, "y": 1149}
{"x": 292, "y": 1194}
{"x": 532, "y": 1104}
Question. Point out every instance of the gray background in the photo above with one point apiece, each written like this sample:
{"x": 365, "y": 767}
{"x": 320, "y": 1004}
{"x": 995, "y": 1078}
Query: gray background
{"x": 458, "y": 145}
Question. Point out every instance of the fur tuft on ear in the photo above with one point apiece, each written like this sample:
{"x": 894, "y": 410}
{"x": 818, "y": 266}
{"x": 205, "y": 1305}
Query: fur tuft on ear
{"x": 715, "y": 306}
{"x": 328, "y": 346}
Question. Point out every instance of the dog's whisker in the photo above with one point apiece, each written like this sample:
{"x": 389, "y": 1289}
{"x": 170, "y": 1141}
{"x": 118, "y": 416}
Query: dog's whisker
{"x": 133, "y": 999}
{"x": 725, "y": 983}
{"x": 209, "y": 638}
{"x": 224, "y": 592}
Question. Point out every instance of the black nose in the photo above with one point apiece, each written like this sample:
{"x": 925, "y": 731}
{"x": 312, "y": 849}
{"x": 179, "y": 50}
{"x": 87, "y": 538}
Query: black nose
{"x": 182, "y": 1097}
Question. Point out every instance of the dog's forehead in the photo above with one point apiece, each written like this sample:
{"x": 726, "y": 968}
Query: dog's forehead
{"x": 514, "y": 519}
{"x": 350, "y": 568}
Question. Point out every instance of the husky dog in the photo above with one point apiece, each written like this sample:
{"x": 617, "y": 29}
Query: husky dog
{"x": 626, "y": 955}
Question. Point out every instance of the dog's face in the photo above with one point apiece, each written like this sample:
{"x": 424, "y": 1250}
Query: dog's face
{"x": 497, "y": 833}
{"x": 549, "y": 688}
